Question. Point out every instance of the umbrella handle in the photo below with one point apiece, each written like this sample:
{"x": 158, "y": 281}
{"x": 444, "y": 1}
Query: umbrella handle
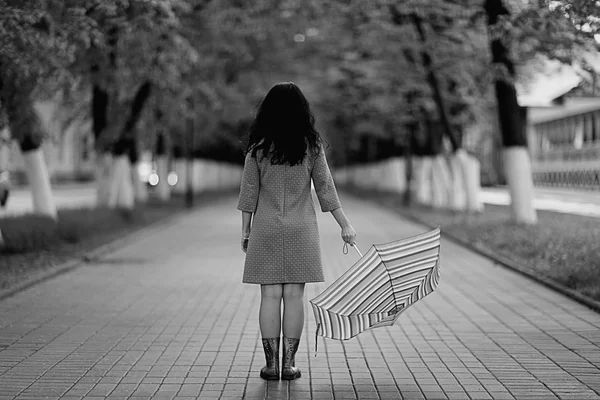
{"x": 345, "y": 250}
{"x": 317, "y": 337}
{"x": 357, "y": 250}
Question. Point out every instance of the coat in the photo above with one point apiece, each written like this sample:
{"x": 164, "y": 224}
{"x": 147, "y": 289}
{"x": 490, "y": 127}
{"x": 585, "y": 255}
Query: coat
{"x": 284, "y": 244}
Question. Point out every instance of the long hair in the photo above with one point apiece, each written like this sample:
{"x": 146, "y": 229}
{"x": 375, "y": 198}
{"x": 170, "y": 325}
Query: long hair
{"x": 284, "y": 127}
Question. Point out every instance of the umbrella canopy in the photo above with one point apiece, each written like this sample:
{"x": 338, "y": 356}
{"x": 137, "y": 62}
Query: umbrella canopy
{"x": 384, "y": 282}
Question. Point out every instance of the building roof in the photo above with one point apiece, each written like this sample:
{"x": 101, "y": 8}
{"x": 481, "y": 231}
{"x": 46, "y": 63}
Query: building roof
{"x": 553, "y": 80}
{"x": 572, "y": 106}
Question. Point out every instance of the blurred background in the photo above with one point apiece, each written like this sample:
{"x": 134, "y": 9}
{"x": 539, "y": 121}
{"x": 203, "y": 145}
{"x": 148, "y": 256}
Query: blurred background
{"x": 121, "y": 93}
{"x": 480, "y": 116}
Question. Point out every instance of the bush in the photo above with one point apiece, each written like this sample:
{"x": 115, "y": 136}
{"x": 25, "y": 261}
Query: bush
{"x": 27, "y": 233}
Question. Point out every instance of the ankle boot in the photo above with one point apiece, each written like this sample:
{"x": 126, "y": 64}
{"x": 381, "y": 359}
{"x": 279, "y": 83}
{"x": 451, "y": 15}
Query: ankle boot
{"x": 270, "y": 372}
{"x": 288, "y": 369}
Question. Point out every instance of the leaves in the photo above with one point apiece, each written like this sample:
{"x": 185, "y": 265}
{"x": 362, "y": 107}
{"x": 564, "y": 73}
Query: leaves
{"x": 211, "y": 61}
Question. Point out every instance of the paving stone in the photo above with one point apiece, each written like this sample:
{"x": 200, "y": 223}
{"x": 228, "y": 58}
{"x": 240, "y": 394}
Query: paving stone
{"x": 166, "y": 316}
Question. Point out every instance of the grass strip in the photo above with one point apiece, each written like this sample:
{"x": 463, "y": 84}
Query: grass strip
{"x": 564, "y": 248}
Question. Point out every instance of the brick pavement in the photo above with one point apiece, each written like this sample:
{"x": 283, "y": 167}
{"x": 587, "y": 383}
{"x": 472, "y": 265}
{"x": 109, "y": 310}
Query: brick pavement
{"x": 167, "y": 317}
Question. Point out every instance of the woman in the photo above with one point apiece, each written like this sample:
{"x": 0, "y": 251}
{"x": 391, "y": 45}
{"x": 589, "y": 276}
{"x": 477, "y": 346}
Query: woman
{"x": 279, "y": 226}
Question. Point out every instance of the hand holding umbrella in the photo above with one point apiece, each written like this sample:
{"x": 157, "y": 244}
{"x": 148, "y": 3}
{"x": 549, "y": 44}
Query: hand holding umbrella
{"x": 348, "y": 232}
{"x": 379, "y": 287}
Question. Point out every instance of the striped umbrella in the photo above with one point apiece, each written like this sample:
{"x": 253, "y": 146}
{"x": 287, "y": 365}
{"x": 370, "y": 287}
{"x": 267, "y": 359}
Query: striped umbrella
{"x": 382, "y": 284}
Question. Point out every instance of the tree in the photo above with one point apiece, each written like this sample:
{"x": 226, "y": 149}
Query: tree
{"x": 561, "y": 30}
{"x": 142, "y": 50}
{"x": 37, "y": 41}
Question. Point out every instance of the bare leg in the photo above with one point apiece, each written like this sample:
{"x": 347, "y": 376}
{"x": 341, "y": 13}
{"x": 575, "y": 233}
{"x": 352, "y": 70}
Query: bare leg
{"x": 293, "y": 310}
{"x": 270, "y": 310}
{"x": 293, "y": 322}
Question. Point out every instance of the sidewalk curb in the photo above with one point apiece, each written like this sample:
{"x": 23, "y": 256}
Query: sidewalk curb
{"x": 93, "y": 254}
{"x": 498, "y": 259}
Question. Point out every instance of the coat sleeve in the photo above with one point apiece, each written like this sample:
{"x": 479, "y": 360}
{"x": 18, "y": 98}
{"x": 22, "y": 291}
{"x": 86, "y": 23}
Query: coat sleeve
{"x": 250, "y": 185}
{"x": 324, "y": 186}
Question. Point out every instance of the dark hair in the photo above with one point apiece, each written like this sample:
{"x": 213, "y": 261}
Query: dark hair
{"x": 284, "y": 127}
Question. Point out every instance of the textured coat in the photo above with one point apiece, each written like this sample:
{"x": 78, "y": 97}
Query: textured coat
{"x": 284, "y": 240}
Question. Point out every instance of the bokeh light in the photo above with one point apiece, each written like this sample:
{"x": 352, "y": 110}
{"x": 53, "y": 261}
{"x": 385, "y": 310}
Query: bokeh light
{"x": 172, "y": 179}
{"x": 312, "y": 32}
{"x": 153, "y": 179}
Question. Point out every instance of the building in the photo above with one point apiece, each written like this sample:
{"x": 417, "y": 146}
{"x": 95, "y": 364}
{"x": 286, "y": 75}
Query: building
{"x": 565, "y": 143}
{"x": 563, "y": 127}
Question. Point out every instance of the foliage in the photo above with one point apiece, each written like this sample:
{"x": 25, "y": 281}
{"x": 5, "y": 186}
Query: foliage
{"x": 563, "y": 30}
{"x": 38, "y": 40}
{"x": 208, "y": 62}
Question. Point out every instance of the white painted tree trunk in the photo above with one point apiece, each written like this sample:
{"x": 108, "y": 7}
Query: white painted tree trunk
{"x": 441, "y": 182}
{"x": 422, "y": 170}
{"x": 140, "y": 191}
{"x": 517, "y": 169}
{"x": 467, "y": 184}
{"x": 458, "y": 165}
{"x": 39, "y": 181}
{"x": 163, "y": 190}
{"x": 473, "y": 180}
{"x": 181, "y": 170}
{"x": 121, "y": 188}
{"x": 397, "y": 178}
{"x": 104, "y": 169}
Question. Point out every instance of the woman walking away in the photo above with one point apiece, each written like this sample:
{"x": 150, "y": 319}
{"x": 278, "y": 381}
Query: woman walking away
{"x": 279, "y": 225}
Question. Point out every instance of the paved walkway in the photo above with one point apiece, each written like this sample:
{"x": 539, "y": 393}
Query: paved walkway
{"x": 167, "y": 317}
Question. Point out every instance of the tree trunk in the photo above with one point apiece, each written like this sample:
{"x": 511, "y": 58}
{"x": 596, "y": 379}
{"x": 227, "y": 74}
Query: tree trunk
{"x": 441, "y": 182}
{"x": 126, "y": 147}
{"x": 409, "y": 170}
{"x": 517, "y": 164}
{"x": 37, "y": 173}
{"x": 435, "y": 86}
{"x": 423, "y": 173}
{"x": 517, "y": 169}
{"x": 427, "y": 147}
{"x": 39, "y": 182}
{"x": 121, "y": 193}
{"x": 26, "y": 129}
{"x": 100, "y": 101}
{"x": 458, "y": 166}
{"x": 163, "y": 190}
{"x": 104, "y": 169}
{"x": 140, "y": 189}
{"x": 466, "y": 182}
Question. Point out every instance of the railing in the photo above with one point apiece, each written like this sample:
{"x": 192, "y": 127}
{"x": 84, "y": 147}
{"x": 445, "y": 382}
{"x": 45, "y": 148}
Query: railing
{"x": 577, "y": 178}
{"x": 569, "y": 153}
{"x": 566, "y": 166}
